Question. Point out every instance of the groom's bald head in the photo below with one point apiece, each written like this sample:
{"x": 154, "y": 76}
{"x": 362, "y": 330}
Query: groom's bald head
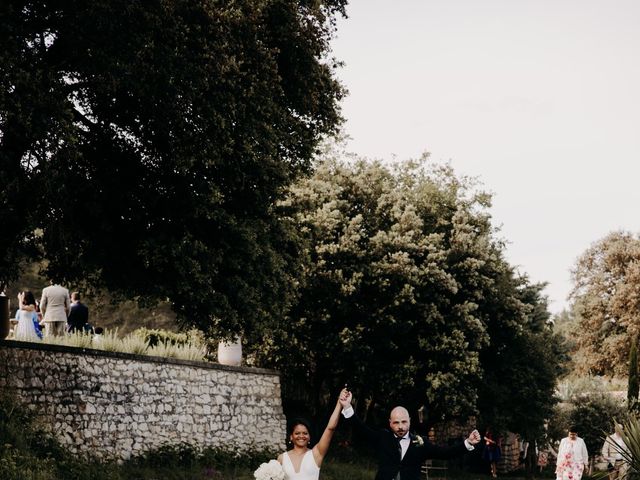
{"x": 399, "y": 421}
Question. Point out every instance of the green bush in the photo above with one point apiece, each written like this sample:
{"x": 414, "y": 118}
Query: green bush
{"x": 593, "y": 416}
{"x": 155, "y": 337}
{"x": 22, "y": 440}
{"x": 30, "y": 453}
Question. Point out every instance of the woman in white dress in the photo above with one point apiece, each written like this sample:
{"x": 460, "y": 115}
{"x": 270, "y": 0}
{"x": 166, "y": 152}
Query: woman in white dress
{"x": 302, "y": 462}
{"x": 28, "y": 328}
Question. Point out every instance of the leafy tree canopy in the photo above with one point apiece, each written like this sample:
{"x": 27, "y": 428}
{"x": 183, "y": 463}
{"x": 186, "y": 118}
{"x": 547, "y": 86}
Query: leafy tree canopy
{"x": 594, "y": 416}
{"x": 404, "y": 292}
{"x": 521, "y": 367}
{"x": 143, "y": 144}
{"x": 606, "y": 303}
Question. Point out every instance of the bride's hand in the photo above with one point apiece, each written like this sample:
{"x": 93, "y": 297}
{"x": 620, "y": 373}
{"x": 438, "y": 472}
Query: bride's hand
{"x": 345, "y": 398}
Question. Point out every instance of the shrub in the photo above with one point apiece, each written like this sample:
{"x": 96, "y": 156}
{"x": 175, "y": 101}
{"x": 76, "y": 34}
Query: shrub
{"x": 134, "y": 344}
{"x": 155, "y": 337}
{"x": 75, "y": 339}
{"x": 183, "y": 346}
{"x": 30, "y": 453}
{"x": 593, "y": 416}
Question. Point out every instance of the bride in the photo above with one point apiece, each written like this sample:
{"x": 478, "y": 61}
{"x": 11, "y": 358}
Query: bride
{"x": 302, "y": 462}
{"x": 28, "y": 328}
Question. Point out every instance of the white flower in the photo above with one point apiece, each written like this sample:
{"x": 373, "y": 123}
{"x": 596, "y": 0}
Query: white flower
{"x": 269, "y": 471}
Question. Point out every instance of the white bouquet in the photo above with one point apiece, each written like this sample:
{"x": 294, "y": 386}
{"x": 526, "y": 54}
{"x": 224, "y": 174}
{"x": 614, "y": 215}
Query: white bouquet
{"x": 269, "y": 471}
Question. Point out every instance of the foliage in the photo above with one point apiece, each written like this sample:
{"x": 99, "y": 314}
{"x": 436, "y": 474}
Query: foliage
{"x": 105, "y": 310}
{"x": 129, "y": 344}
{"x": 558, "y": 424}
{"x": 564, "y": 325}
{"x": 20, "y": 439}
{"x": 631, "y": 454}
{"x": 571, "y": 387}
{"x": 184, "y": 460}
{"x": 143, "y": 152}
{"x": 404, "y": 294}
{"x": 355, "y": 469}
{"x": 156, "y": 336}
{"x": 29, "y": 452}
{"x": 193, "y": 349}
{"x": 75, "y": 339}
{"x": 593, "y": 417}
{"x": 606, "y": 302}
{"x": 183, "y": 352}
{"x": 110, "y": 341}
{"x": 634, "y": 382}
{"x": 190, "y": 345}
{"x": 375, "y": 306}
{"x": 126, "y": 315}
{"x": 521, "y": 367}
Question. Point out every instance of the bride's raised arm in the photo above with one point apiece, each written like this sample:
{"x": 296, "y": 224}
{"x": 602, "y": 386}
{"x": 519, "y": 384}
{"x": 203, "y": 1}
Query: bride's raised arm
{"x": 321, "y": 448}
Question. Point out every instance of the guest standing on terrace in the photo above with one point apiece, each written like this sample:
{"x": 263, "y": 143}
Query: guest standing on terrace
{"x": 28, "y": 327}
{"x": 55, "y": 303}
{"x": 78, "y": 314}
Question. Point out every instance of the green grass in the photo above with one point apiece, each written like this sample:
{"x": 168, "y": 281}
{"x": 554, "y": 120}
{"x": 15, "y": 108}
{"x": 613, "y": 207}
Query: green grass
{"x": 358, "y": 469}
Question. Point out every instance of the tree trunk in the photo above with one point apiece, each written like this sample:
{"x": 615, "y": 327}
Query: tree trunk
{"x": 530, "y": 461}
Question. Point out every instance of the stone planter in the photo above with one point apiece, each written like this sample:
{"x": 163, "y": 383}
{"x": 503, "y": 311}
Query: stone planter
{"x": 230, "y": 353}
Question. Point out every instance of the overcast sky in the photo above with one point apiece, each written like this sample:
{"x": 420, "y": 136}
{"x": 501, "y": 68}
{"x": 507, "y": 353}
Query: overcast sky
{"x": 540, "y": 99}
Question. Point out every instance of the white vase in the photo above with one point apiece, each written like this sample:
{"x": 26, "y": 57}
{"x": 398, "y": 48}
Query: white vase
{"x": 230, "y": 353}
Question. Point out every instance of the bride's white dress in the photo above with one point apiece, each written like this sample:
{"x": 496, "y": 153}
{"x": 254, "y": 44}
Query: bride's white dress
{"x": 308, "y": 468}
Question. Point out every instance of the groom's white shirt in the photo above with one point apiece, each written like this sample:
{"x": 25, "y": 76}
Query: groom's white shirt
{"x": 404, "y": 441}
{"x": 348, "y": 412}
{"x": 404, "y": 445}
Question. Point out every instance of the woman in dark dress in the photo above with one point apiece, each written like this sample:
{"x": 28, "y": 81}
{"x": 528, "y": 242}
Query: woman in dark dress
{"x": 492, "y": 451}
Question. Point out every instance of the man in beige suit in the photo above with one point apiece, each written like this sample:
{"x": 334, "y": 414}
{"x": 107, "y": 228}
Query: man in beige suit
{"x": 616, "y": 453}
{"x": 55, "y": 304}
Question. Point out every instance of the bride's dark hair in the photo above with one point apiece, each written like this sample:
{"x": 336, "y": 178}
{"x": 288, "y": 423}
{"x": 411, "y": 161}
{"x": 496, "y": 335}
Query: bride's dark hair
{"x": 28, "y": 298}
{"x": 298, "y": 421}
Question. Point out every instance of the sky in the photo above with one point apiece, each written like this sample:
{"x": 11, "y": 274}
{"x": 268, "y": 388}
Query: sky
{"x": 538, "y": 99}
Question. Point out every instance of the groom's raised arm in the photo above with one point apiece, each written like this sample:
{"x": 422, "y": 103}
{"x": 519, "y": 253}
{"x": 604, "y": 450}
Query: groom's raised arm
{"x": 345, "y": 401}
{"x": 350, "y": 416}
{"x": 429, "y": 450}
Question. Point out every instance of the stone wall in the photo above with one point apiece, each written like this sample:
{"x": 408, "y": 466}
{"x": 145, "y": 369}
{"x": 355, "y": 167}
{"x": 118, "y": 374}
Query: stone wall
{"x": 114, "y": 405}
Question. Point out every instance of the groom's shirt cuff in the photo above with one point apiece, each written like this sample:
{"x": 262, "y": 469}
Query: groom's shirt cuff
{"x": 347, "y": 412}
{"x": 468, "y": 445}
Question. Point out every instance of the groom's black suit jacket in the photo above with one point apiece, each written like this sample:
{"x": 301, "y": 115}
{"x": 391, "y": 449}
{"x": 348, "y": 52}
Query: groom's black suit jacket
{"x": 389, "y": 462}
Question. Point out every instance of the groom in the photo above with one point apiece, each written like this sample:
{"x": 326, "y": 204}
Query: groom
{"x": 400, "y": 453}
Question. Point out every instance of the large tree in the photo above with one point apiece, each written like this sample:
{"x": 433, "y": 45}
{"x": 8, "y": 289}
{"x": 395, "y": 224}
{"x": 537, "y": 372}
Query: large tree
{"x": 143, "y": 144}
{"x": 521, "y": 365}
{"x": 405, "y": 288}
{"x": 606, "y": 303}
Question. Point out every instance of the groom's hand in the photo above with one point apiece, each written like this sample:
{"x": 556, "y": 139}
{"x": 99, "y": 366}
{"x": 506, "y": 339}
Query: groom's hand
{"x": 345, "y": 398}
{"x": 474, "y": 437}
